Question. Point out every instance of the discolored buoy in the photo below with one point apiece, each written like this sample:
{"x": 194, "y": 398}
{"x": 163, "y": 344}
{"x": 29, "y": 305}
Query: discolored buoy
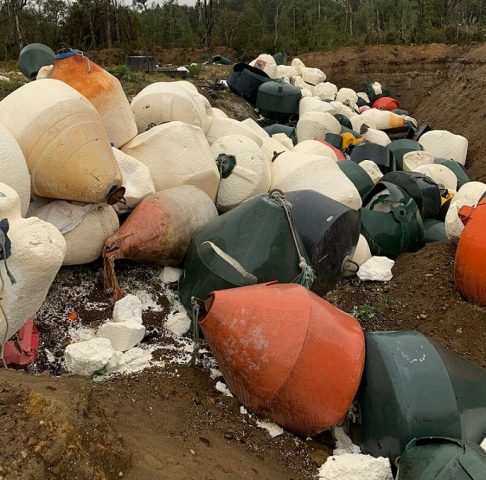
{"x": 286, "y": 353}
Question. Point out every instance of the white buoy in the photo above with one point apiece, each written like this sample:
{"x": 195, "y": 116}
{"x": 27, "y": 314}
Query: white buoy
{"x": 176, "y": 154}
{"x": 444, "y": 144}
{"x": 316, "y": 124}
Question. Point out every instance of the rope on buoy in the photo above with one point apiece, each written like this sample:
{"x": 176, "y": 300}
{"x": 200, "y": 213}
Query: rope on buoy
{"x": 306, "y": 277}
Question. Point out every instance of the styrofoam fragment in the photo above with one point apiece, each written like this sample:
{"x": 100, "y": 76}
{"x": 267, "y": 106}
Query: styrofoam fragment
{"x": 86, "y": 358}
{"x": 313, "y": 104}
{"x": 356, "y": 467}
{"x": 347, "y": 95}
{"x": 273, "y": 429}
{"x": 483, "y": 444}
{"x": 223, "y": 388}
{"x": 361, "y": 254}
{"x": 376, "y": 269}
{"x": 128, "y": 309}
{"x": 178, "y": 323}
{"x": 298, "y": 64}
{"x": 343, "y": 443}
{"x": 316, "y": 124}
{"x": 133, "y": 360}
{"x": 314, "y": 76}
{"x": 170, "y": 274}
{"x": 123, "y": 335}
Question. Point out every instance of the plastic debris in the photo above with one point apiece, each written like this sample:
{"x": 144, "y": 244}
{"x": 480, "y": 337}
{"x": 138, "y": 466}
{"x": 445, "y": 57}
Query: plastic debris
{"x": 86, "y": 358}
{"x": 376, "y": 269}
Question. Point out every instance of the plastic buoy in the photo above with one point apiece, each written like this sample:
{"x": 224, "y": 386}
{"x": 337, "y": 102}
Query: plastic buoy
{"x": 413, "y": 388}
{"x": 458, "y": 170}
{"x": 329, "y": 231}
{"x": 253, "y": 243}
{"x": 278, "y": 101}
{"x": 102, "y": 89}
{"x": 434, "y": 231}
{"x": 360, "y": 178}
{"x": 386, "y": 103}
{"x": 33, "y": 57}
{"x": 391, "y": 221}
{"x": 244, "y": 170}
{"x": 444, "y": 144}
{"x": 32, "y": 252}
{"x": 399, "y": 148}
{"x": 245, "y": 80}
{"x": 421, "y": 188}
{"x": 163, "y": 102}
{"x": 176, "y": 154}
{"x": 295, "y": 171}
{"x": 376, "y": 153}
{"x": 439, "y": 458}
{"x": 277, "y": 347}
{"x": 470, "y": 264}
{"x": 75, "y": 160}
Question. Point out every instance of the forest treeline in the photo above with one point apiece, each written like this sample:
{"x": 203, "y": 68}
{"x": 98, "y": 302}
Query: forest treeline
{"x": 244, "y": 25}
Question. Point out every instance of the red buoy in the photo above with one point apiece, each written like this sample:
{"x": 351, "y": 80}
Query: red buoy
{"x": 386, "y": 103}
{"x": 286, "y": 353}
{"x": 470, "y": 264}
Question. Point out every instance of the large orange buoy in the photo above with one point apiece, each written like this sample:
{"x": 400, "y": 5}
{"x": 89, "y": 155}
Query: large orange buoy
{"x": 286, "y": 353}
{"x": 386, "y": 103}
{"x": 470, "y": 265}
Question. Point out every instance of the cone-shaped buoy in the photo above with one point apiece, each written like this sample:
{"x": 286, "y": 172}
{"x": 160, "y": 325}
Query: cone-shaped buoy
{"x": 286, "y": 353}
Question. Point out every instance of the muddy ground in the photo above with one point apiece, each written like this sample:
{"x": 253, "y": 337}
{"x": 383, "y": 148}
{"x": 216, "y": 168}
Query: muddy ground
{"x": 170, "y": 422}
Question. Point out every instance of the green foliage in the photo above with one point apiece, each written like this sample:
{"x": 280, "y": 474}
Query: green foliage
{"x": 291, "y": 26}
{"x": 368, "y": 311}
{"x": 194, "y": 69}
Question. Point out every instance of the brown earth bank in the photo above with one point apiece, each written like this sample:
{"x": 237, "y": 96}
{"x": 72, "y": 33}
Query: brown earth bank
{"x": 171, "y": 423}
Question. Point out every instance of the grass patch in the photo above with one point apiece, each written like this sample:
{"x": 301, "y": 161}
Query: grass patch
{"x": 367, "y": 311}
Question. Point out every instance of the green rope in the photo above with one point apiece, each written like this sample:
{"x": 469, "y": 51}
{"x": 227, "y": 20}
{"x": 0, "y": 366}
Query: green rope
{"x": 306, "y": 277}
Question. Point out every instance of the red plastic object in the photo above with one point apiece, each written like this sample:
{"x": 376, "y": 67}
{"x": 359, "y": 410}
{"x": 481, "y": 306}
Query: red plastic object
{"x": 23, "y": 350}
{"x": 286, "y": 353}
{"x": 339, "y": 154}
{"x": 470, "y": 264}
{"x": 386, "y": 103}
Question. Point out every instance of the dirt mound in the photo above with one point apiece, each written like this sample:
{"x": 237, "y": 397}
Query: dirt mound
{"x": 56, "y": 429}
{"x": 421, "y": 296}
{"x": 442, "y": 85}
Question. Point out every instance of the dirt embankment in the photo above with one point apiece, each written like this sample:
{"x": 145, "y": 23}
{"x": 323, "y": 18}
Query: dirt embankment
{"x": 442, "y": 85}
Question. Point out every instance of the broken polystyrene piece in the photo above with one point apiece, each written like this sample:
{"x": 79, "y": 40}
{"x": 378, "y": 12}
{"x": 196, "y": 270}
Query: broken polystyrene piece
{"x": 134, "y": 360}
{"x": 123, "y": 335}
{"x": 273, "y": 429}
{"x": 128, "y": 309}
{"x": 344, "y": 444}
{"x": 316, "y": 124}
{"x": 376, "y": 269}
{"x": 170, "y": 274}
{"x": 88, "y": 357}
{"x": 178, "y": 323}
{"x": 351, "y": 466}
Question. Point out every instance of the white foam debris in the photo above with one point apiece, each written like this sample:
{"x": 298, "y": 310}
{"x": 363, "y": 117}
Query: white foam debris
{"x": 129, "y": 308}
{"x": 81, "y": 334}
{"x": 243, "y": 410}
{"x": 376, "y": 269}
{"x": 223, "y": 388}
{"x": 148, "y": 302}
{"x": 123, "y": 335}
{"x": 88, "y": 357}
{"x": 273, "y": 429}
{"x": 356, "y": 467}
{"x": 178, "y": 323}
{"x": 132, "y": 361}
{"x": 170, "y": 274}
{"x": 343, "y": 443}
{"x": 214, "y": 373}
{"x": 483, "y": 444}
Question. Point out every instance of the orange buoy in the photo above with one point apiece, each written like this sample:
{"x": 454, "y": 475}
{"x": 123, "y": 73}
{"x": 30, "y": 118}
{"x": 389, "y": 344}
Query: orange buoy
{"x": 470, "y": 264}
{"x": 286, "y": 353}
{"x": 386, "y": 103}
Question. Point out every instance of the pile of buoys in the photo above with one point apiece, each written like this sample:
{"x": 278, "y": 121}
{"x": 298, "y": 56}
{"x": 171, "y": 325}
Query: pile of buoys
{"x": 242, "y": 205}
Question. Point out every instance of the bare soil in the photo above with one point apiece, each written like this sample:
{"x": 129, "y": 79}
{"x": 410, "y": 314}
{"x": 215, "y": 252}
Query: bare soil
{"x": 171, "y": 423}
